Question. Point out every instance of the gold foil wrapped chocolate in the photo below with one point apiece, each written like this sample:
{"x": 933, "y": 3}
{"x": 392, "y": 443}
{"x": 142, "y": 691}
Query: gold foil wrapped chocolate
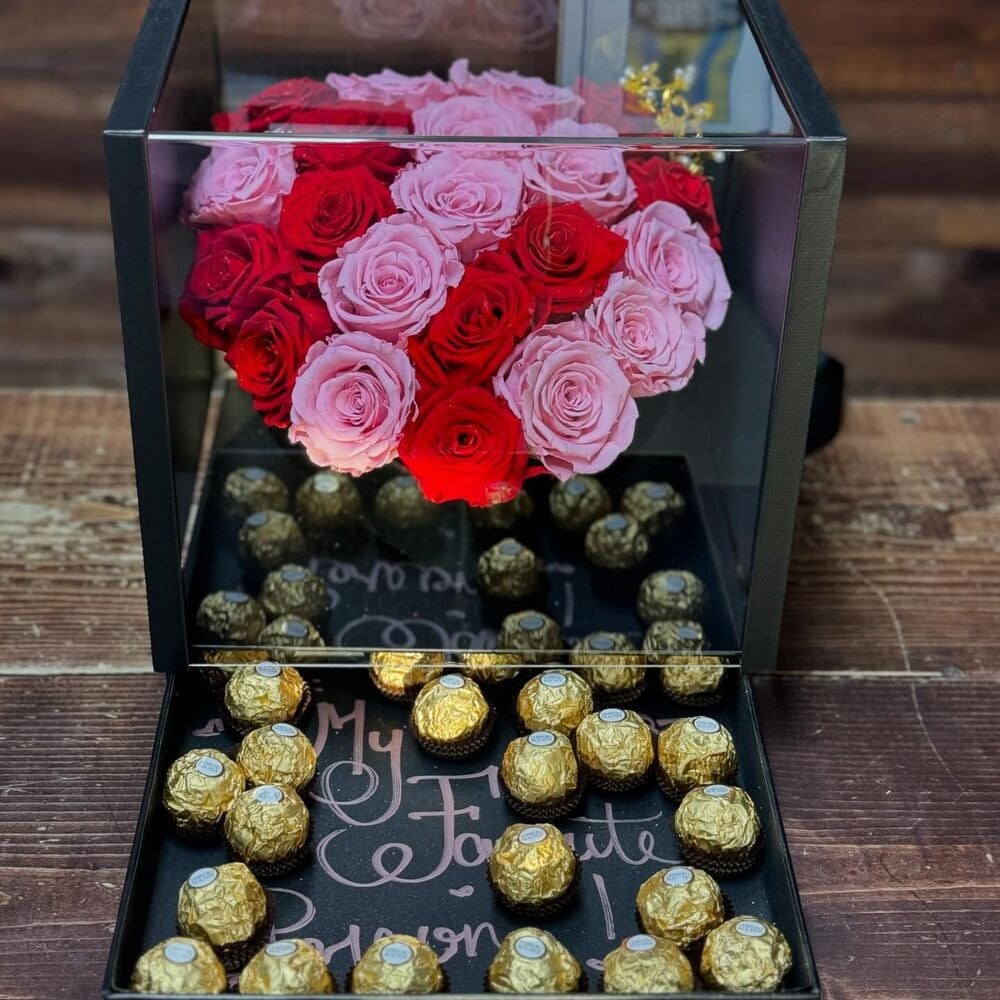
{"x": 295, "y": 590}
{"x": 450, "y": 716}
{"x": 289, "y": 632}
{"x": 615, "y": 747}
{"x": 400, "y": 673}
{"x": 328, "y": 504}
{"x": 278, "y": 754}
{"x": 540, "y": 775}
{"x": 616, "y": 541}
{"x": 290, "y": 967}
{"x": 531, "y": 960}
{"x": 534, "y": 635}
{"x": 693, "y": 752}
{"x": 673, "y": 637}
{"x": 491, "y": 668}
{"x": 654, "y": 505}
{"x": 251, "y": 489}
{"x": 691, "y": 678}
{"x": 718, "y": 828}
{"x": 671, "y": 594}
{"x": 532, "y": 868}
{"x": 503, "y": 516}
{"x": 610, "y": 664}
{"x": 400, "y": 506}
{"x": 199, "y": 788}
{"x": 398, "y": 963}
{"x": 509, "y": 570}
{"x": 267, "y": 827}
{"x": 225, "y": 907}
{"x": 646, "y": 964}
{"x": 578, "y": 502}
{"x": 269, "y": 538}
{"x": 681, "y": 904}
{"x": 180, "y": 965}
{"x": 260, "y": 694}
{"x": 231, "y": 616}
{"x": 556, "y": 699}
{"x": 745, "y": 955}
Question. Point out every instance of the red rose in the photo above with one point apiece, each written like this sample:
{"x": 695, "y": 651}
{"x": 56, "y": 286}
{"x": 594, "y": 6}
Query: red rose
{"x": 465, "y": 444}
{"x": 484, "y": 316}
{"x": 564, "y": 254}
{"x": 279, "y": 103}
{"x": 270, "y": 348}
{"x": 229, "y": 264}
{"x": 658, "y": 179}
{"x": 326, "y": 208}
{"x": 381, "y": 158}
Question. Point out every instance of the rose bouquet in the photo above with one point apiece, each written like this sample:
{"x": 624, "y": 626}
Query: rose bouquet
{"x": 482, "y": 312}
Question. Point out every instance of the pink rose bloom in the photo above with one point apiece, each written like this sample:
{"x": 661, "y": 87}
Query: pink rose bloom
{"x": 611, "y": 104}
{"x": 353, "y": 396}
{"x": 477, "y": 116}
{"x": 390, "y": 20}
{"x": 544, "y": 102}
{"x": 468, "y": 203}
{"x": 390, "y": 281}
{"x": 571, "y": 397}
{"x": 593, "y": 176}
{"x": 240, "y": 182}
{"x": 655, "y": 343}
{"x": 390, "y": 87}
{"x": 674, "y": 255}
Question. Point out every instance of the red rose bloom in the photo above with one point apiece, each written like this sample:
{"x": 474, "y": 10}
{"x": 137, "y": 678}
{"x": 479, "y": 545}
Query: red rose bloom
{"x": 381, "y": 158}
{"x": 658, "y": 179}
{"x": 326, "y": 208}
{"x": 270, "y": 348}
{"x": 564, "y": 254}
{"x": 484, "y": 316}
{"x": 279, "y": 103}
{"x": 229, "y": 264}
{"x": 465, "y": 444}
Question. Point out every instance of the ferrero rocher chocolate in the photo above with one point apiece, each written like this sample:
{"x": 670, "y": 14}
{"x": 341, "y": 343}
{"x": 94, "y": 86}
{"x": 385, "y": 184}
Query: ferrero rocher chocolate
{"x": 690, "y": 679}
{"x": 671, "y": 594}
{"x": 450, "y": 717}
{"x": 231, "y": 616}
{"x": 535, "y": 635}
{"x": 269, "y": 538}
{"x": 509, "y": 570}
{"x": 260, "y": 694}
{"x": 540, "y": 776}
{"x": 199, "y": 788}
{"x": 398, "y": 963}
{"x": 267, "y": 828}
{"x": 290, "y": 631}
{"x": 251, "y": 489}
{"x": 503, "y": 516}
{"x": 610, "y": 664}
{"x": 399, "y": 674}
{"x": 615, "y": 748}
{"x": 328, "y": 505}
{"x": 291, "y": 967}
{"x": 681, "y": 904}
{"x": 491, "y": 668}
{"x": 694, "y": 752}
{"x": 295, "y": 590}
{"x": 654, "y": 505}
{"x": 278, "y": 754}
{"x": 532, "y": 869}
{"x": 531, "y": 960}
{"x": 179, "y": 965}
{"x": 647, "y": 964}
{"x": 745, "y": 955}
{"x": 400, "y": 506}
{"x": 578, "y": 502}
{"x": 718, "y": 828}
{"x": 556, "y": 699}
{"x": 673, "y": 637}
{"x": 225, "y": 907}
{"x": 616, "y": 541}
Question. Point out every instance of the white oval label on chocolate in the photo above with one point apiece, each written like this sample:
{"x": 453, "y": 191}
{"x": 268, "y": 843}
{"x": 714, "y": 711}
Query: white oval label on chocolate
{"x": 452, "y": 681}
{"x": 268, "y": 795}
{"x": 678, "y": 876}
{"x": 640, "y": 942}
{"x": 236, "y": 597}
{"x": 202, "y": 877}
{"x": 530, "y": 946}
{"x": 751, "y": 928}
{"x": 611, "y": 715}
{"x": 208, "y": 767}
{"x": 284, "y": 729}
{"x": 553, "y": 680}
{"x": 542, "y": 739}
{"x": 717, "y": 791}
{"x": 326, "y": 484}
{"x": 281, "y": 949}
{"x": 179, "y": 952}
{"x": 706, "y": 725}
{"x": 293, "y": 575}
{"x": 396, "y": 953}
{"x": 532, "y": 835}
{"x": 254, "y": 474}
{"x": 268, "y": 668}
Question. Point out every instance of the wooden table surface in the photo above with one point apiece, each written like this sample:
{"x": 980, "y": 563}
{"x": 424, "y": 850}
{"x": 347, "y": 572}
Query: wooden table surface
{"x": 881, "y": 724}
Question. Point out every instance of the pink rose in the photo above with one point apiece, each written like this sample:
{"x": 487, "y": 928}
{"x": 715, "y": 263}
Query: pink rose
{"x": 571, "y": 397}
{"x": 468, "y": 203}
{"x": 240, "y": 182}
{"x": 390, "y": 87}
{"x": 674, "y": 255}
{"x": 611, "y": 104}
{"x": 544, "y": 102}
{"x": 476, "y": 116}
{"x": 352, "y": 398}
{"x": 390, "y": 281}
{"x": 593, "y": 176}
{"x": 655, "y": 343}
{"x": 390, "y": 20}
